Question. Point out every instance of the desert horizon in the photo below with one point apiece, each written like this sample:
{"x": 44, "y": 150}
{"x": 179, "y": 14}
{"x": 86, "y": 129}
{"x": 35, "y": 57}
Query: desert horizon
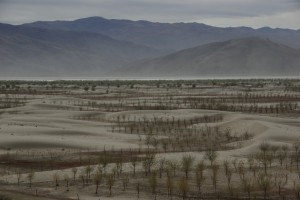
{"x": 143, "y": 100}
{"x": 107, "y": 131}
{"x": 50, "y": 79}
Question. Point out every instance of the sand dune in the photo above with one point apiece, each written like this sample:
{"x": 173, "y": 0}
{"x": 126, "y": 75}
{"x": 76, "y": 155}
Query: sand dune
{"x": 52, "y": 127}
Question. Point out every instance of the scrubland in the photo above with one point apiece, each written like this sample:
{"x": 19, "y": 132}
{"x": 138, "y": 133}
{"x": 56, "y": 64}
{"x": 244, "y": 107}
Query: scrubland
{"x": 156, "y": 139}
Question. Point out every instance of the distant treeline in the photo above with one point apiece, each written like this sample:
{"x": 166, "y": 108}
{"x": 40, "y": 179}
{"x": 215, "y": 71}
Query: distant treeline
{"x": 170, "y": 83}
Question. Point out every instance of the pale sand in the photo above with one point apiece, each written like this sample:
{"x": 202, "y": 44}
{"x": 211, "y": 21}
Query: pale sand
{"x": 42, "y": 125}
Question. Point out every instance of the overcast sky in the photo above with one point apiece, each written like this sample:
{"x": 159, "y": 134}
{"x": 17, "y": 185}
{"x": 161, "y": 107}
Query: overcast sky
{"x": 224, "y": 13}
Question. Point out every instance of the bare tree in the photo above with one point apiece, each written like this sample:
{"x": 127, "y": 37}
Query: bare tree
{"x": 211, "y": 155}
{"x": 253, "y": 166}
{"x": 183, "y": 187}
{"x": 110, "y": 182}
{"x": 200, "y": 167}
{"x": 280, "y": 182}
{"x": 264, "y": 183}
{"x": 229, "y": 176}
{"x": 161, "y": 166}
{"x": 226, "y": 166}
{"x": 274, "y": 149}
{"x": 296, "y": 146}
{"x": 170, "y": 185}
{"x": 153, "y": 181}
{"x": 88, "y": 170}
{"x": 214, "y": 177}
{"x": 297, "y": 190}
{"x": 67, "y": 180}
{"x": 138, "y": 189}
{"x": 82, "y": 177}
{"x": 199, "y": 180}
{"x": 173, "y": 165}
{"x": 104, "y": 160}
{"x": 134, "y": 163}
{"x": 97, "y": 180}
{"x": 241, "y": 169}
{"x": 30, "y": 177}
{"x": 187, "y": 164}
{"x": 125, "y": 181}
{"x": 74, "y": 171}
{"x": 19, "y": 176}
{"x": 264, "y": 147}
{"x": 56, "y": 180}
{"x": 148, "y": 162}
{"x": 281, "y": 155}
{"x": 248, "y": 186}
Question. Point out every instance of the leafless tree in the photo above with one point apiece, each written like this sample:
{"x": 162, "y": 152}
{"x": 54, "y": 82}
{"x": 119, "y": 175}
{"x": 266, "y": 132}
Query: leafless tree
{"x": 134, "y": 163}
{"x": 148, "y": 162}
{"x": 265, "y": 183}
{"x": 138, "y": 189}
{"x": 153, "y": 181}
{"x": 161, "y": 166}
{"x": 19, "y": 176}
{"x": 30, "y": 177}
{"x": 214, "y": 177}
{"x": 187, "y": 164}
{"x": 56, "y": 180}
{"x": 226, "y": 166}
{"x": 110, "y": 182}
{"x": 183, "y": 187}
{"x": 74, "y": 171}
{"x": 125, "y": 181}
{"x": 173, "y": 165}
{"x": 211, "y": 155}
{"x": 248, "y": 186}
{"x": 97, "y": 180}
{"x": 170, "y": 186}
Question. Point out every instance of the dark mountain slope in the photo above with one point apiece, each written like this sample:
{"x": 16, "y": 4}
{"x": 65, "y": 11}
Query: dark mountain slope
{"x": 27, "y": 51}
{"x": 169, "y": 37}
{"x": 239, "y": 57}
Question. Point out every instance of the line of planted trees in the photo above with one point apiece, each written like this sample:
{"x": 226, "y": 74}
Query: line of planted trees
{"x": 271, "y": 173}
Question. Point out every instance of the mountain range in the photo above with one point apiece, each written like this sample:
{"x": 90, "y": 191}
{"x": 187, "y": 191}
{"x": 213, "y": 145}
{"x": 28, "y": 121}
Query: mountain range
{"x": 243, "y": 57}
{"x": 101, "y": 47}
{"x": 169, "y": 37}
{"x": 27, "y": 51}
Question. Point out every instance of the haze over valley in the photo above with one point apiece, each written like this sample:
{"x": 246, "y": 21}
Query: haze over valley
{"x": 100, "y": 47}
{"x": 149, "y": 100}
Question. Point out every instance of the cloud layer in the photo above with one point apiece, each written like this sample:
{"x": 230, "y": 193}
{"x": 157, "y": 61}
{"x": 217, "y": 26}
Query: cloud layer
{"x": 255, "y": 13}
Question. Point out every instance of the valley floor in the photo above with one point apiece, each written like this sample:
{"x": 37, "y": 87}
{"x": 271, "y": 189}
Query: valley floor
{"x": 136, "y": 139}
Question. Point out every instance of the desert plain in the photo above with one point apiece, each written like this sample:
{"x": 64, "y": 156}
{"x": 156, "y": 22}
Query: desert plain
{"x": 150, "y": 139}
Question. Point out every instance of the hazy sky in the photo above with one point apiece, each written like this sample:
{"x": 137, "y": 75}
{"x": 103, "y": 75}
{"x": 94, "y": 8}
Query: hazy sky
{"x": 254, "y": 13}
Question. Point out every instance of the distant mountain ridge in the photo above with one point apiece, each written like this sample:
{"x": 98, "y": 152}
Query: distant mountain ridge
{"x": 99, "y": 47}
{"x": 41, "y": 52}
{"x": 169, "y": 37}
{"x": 238, "y": 57}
